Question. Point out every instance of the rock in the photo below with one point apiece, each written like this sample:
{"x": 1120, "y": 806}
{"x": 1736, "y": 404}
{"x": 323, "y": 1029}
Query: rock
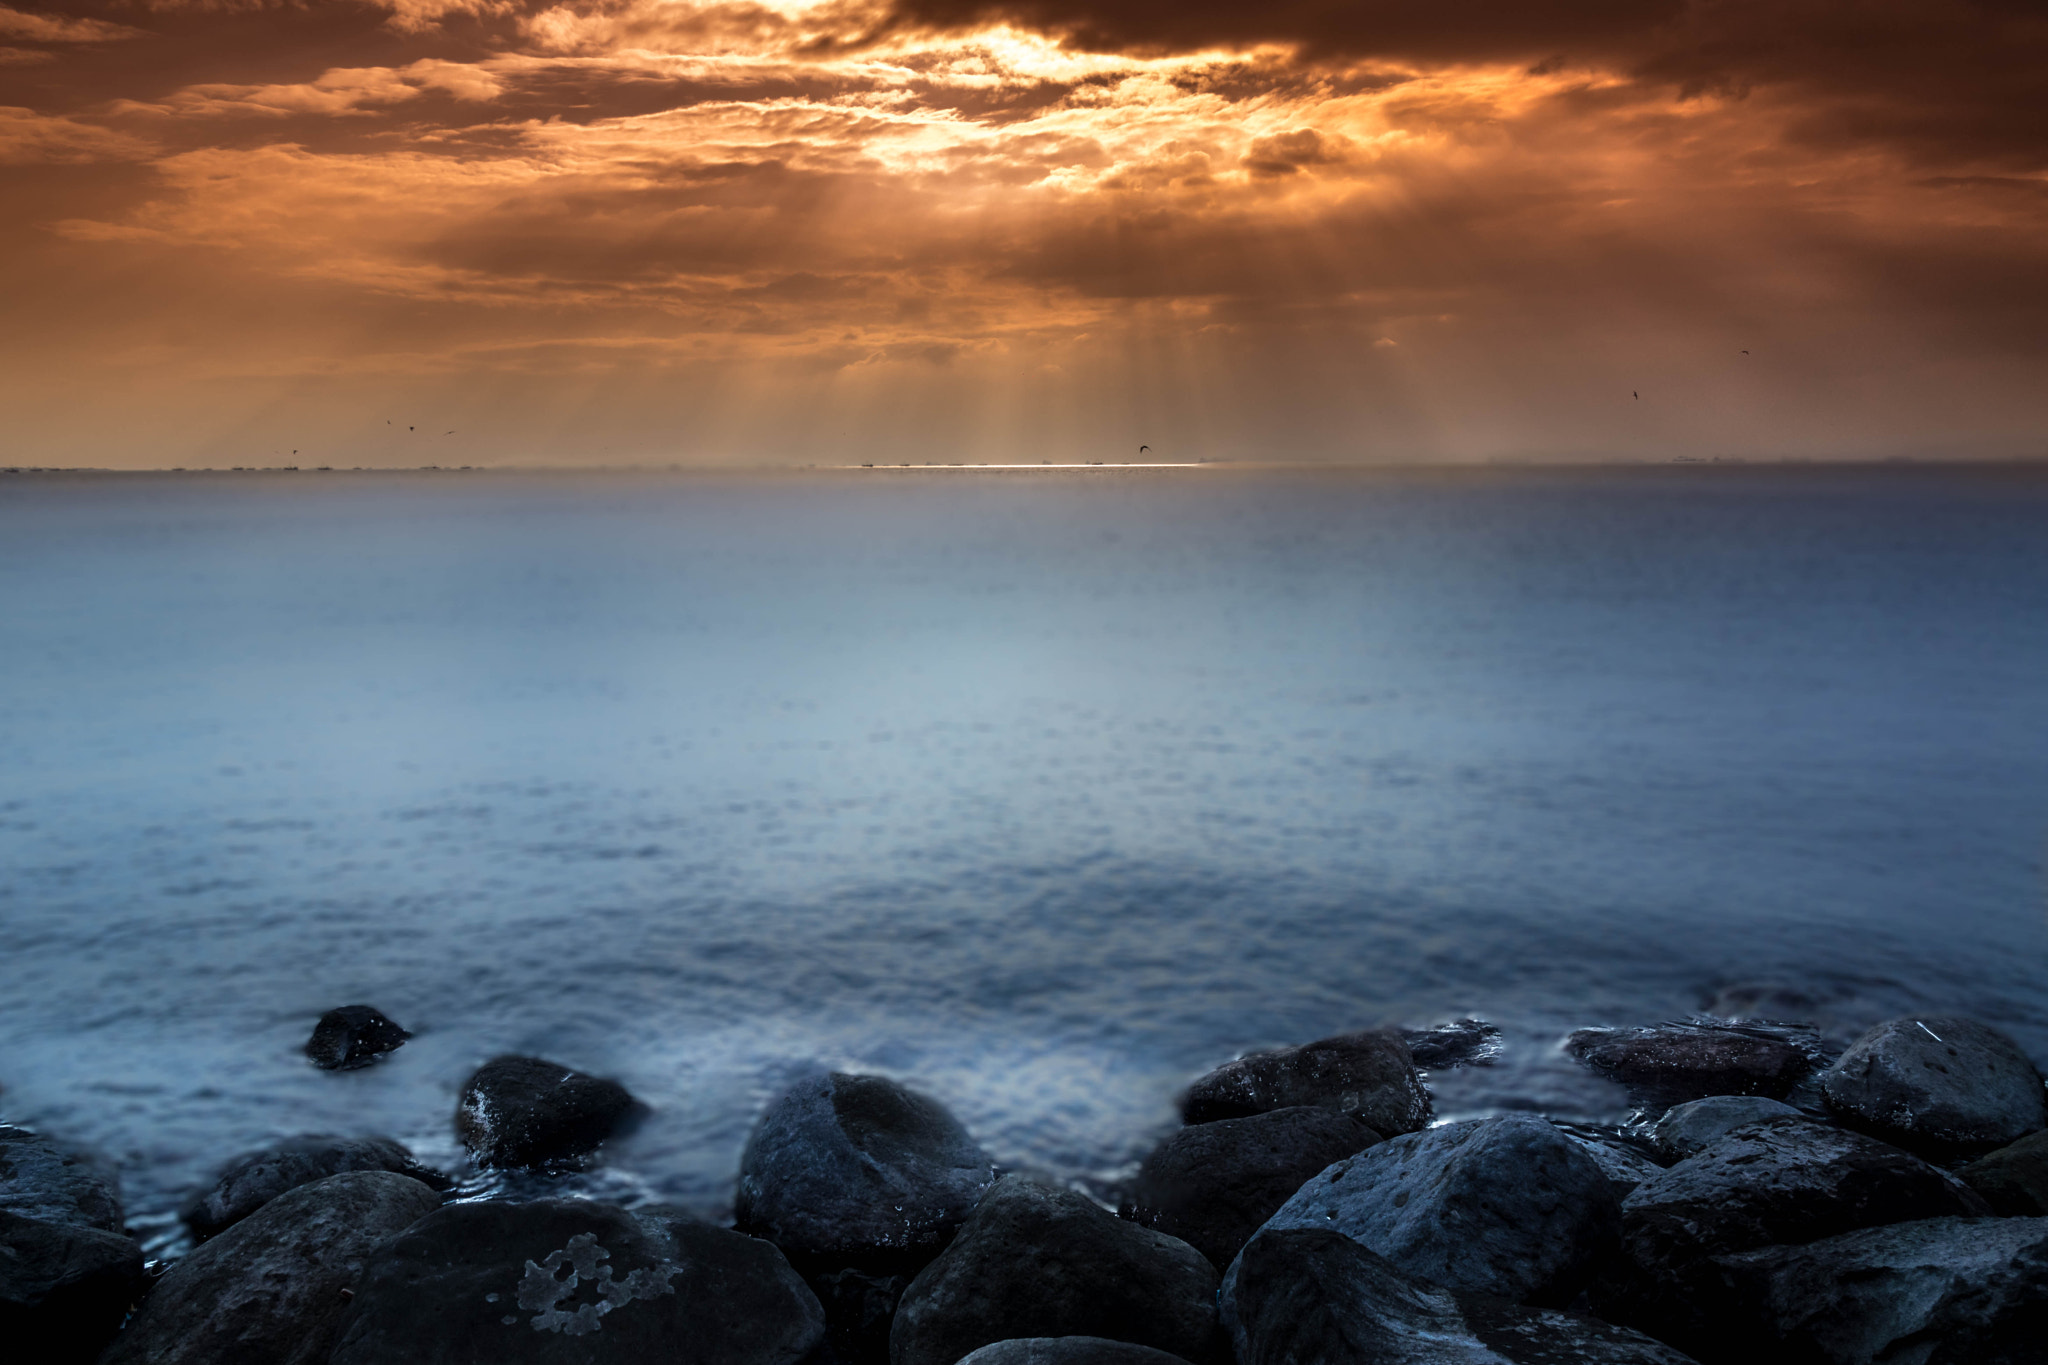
{"x": 1463, "y": 1042}
{"x": 2013, "y": 1180}
{"x": 522, "y": 1111}
{"x": 1068, "y": 1351}
{"x": 1368, "y": 1074}
{"x": 1687, "y": 1129}
{"x": 858, "y": 1170}
{"x": 249, "y": 1182}
{"x": 1939, "y": 1085}
{"x": 562, "y": 1281}
{"x": 1782, "y": 1182}
{"x": 1507, "y": 1206}
{"x": 1943, "y": 1291}
{"x": 859, "y": 1306}
{"x": 1672, "y": 1063}
{"x": 352, "y": 1036}
{"x": 1303, "y": 1295}
{"x": 268, "y": 1291}
{"x": 64, "y": 1286}
{"x": 40, "y": 1178}
{"x": 1623, "y": 1163}
{"x": 1213, "y": 1184}
{"x": 1040, "y": 1260}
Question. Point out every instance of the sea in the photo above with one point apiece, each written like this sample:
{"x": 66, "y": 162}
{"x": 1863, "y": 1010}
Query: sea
{"x": 1043, "y": 791}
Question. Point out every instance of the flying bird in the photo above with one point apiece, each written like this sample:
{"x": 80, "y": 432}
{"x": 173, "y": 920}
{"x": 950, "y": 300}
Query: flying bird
{"x": 1143, "y": 449}
{"x": 1745, "y": 352}
{"x": 1633, "y": 394}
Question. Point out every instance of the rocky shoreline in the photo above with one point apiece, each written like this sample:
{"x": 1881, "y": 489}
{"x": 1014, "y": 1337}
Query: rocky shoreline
{"x": 1771, "y": 1202}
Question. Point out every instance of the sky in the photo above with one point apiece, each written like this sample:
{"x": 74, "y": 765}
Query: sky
{"x": 518, "y": 232}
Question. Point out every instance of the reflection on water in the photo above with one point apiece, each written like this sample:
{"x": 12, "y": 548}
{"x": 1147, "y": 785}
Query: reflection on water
{"x": 1044, "y": 792}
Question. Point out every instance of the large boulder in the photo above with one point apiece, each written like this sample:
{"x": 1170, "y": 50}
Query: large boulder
{"x": 1939, "y": 1085}
{"x": 1308, "y": 1295}
{"x": 1068, "y": 1351}
{"x": 352, "y": 1036}
{"x": 566, "y": 1282}
{"x": 271, "y": 1289}
{"x": 857, "y": 1170}
{"x": 1038, "y": 1260}
{"x": 1672, "y": 1063}
{"x": 1782, "y": 1182}
{"x": 2013, "y": 1180}
{"x": 1370, "y": 1074}
{"x": 1943, "y": 1291}
{"x": 1620, "y": 1158}
{"x": 523, "y": 1111}
{"x": 250, "y": 1181}
{"x": 1689, "y": 1129}
{"x": 64, "y": 1287}
{"x": 1506, "y": 1206}
{"x": 42, "y": 1178}
{"x": 1213, "y": 1184}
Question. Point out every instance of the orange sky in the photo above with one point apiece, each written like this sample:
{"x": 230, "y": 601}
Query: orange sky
{"x": 661, "y": 231}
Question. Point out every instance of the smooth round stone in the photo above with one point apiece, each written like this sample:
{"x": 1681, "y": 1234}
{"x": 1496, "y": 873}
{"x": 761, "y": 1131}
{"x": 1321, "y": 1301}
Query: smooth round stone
{"x": 1688, "y": 1129}
{"x": 1938, "y": 1084}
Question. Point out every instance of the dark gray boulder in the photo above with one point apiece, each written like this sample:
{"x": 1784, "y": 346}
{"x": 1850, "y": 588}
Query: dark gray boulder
{"x": 270, "y": 1289}
{"x": 1688, "y": 1129}
{"x": 860, "y": 1171}
{"x": 64, "y": 1287}
{"x": 1462, "y": 1042}
{"x": 1038, "y": 1260}
{"x": 1672, "y": 1063}
{"x": 2013, "y": 1180}
{"x": 42, "y": 1178}
{"x": 249, "y": 1182}
{"x": 1506, "y": 1206}
{"x": 1783, "y": 1182}
{"x": 562, "y": 1282}
{"x": 1939, "y": 1085}
{"x": 1943, "y": 1291}
{"x": 1309, "y": 1296}
{"x": 523, "y": 1111}
{"x": 1068, "y": 1351}
{"x": 1620, "y": 1158}
{"x": 1370, "y": 1074}
{"x": 352, "y": 1036}
{"x": 1213, "y": 1184}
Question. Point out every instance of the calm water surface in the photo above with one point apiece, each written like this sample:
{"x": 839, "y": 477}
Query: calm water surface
{"x": 1043, "y": 792}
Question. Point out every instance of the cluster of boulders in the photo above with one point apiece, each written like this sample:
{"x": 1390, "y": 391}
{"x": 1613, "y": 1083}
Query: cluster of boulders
{"x": 1312, "y": 1209}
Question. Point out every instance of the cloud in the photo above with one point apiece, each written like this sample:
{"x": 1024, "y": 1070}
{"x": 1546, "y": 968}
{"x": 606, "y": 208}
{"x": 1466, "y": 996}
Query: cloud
{"x": 31, "y": 139}
{"x": 24, "y": 26}
{"x": 353, "y": 90}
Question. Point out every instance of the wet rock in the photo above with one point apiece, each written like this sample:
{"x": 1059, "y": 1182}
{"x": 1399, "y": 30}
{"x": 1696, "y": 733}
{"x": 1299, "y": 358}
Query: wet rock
{"x": 64, "y": 1287}
{"x": 1311, "y": 1295}
{"x": 1213, "y": 1184}
{"x": 1623, "y": 1163}
{"x": 1688, "y": 1129}
{"x": 1783, "y": 1182}
{"x": 269, "y": 1290}
{"x": 1939, "y": 1085}
{"x": 859, "y": 1170}
{"x": 249, "y": 1182}
{"x": 352, "y": 1036}
{"x": 1506, "y": 1206}
{"x": 1944, "y": 1291}
{"x": 558, "y": 1282}
{"x": 42, "y": 1178}
{"x": 2013, "y": 1180}
{"x": 522, "y": 1111}
{"x": 1040, "y": 1260}
{"x": 1369, "y": 1074}
{"x": 1462, "y": 1042}
{"x": 1068, "y": 1351}
{"x": 1672, "y": 1063}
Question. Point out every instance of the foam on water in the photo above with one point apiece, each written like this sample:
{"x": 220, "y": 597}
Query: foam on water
{"x": 1044, "y": 793}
